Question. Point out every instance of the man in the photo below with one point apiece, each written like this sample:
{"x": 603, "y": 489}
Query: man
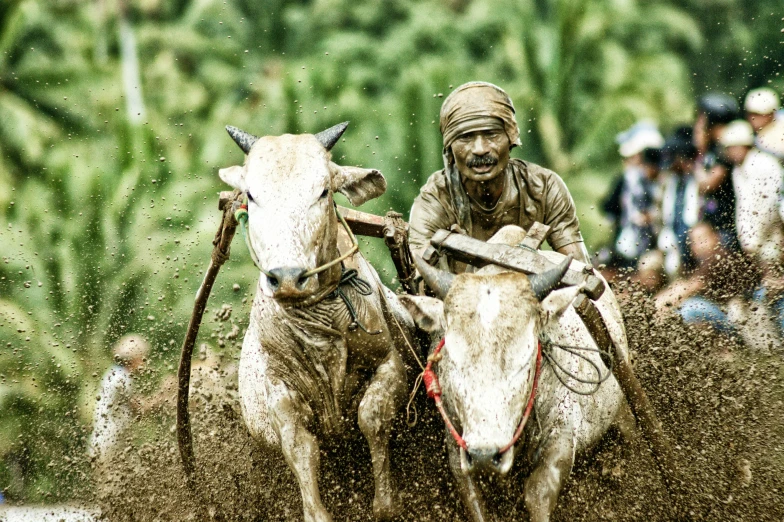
{"x": 761, "y": 106}
{"x": 713, "y": 172}
{"x": 680, "y": 203}
{"x": 481, "y": 189}
{"x": 632, "y": 202}
{"x": 118, "y": 403}
{"x": 757, "y": 178}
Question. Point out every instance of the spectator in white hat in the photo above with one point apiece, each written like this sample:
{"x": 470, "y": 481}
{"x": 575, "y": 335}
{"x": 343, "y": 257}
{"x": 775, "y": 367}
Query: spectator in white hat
{"x": 631, "y": 202}
{"x": 757, "y": 178}
{"x": 118, "y": 403}
{"x": 761, "y": 106}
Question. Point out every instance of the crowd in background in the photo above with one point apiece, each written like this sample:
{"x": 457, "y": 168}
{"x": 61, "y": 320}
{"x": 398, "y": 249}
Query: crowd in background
{"x": 698, "y": 215}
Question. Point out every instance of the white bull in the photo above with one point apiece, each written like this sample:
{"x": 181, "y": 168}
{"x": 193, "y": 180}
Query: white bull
{"x": 492, "y": 322}
{"x": 318, "y": 337}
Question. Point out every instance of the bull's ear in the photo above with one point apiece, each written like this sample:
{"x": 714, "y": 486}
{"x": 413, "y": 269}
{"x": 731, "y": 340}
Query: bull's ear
{"x": 558, "y": 301}
{"x": 357, "y": 184}
{"x": 234, "y": 176}
{"x": 427, "y": 313}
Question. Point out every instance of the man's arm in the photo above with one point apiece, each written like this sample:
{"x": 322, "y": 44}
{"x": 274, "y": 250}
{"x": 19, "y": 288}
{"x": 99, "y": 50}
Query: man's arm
{"x": 577, "y": 251}
{"x": 561, "y": 217}
{"x": 428, "y": 214}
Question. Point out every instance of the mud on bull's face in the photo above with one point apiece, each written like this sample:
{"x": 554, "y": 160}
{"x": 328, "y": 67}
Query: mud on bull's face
{"x": 290, "y": 182}
{"x": 491, "y": 326}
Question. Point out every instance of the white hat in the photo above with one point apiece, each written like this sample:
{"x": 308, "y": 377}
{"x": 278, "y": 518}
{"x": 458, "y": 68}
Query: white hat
{"x": 640, "y": 136}
{"x": 131, "y": 347}
{"x": 738, "y": 132}
{"x": 762, "y": 101}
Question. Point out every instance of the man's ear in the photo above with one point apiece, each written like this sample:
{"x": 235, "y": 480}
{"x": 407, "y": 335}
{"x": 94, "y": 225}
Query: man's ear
{"x": 357, "y": 184}
{"x": 234, "y": 176}
{"x": 427, "y": 312}
{"x": 558, "y": 301}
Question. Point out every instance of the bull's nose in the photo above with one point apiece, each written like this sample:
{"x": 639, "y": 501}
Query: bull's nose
{"x": 487, "y": 460}
{"x": 287, "y": 281}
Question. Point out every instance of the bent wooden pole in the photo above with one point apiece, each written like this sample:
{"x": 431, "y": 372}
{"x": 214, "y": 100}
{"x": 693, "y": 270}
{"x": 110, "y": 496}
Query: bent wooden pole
{"x": 641, "y": 407}
{"x": 220, "y": 253}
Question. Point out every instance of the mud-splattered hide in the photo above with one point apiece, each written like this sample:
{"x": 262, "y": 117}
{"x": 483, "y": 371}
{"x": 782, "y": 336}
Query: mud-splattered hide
{"x": 492, "y": 321}
{"x": 290, "y": 182}
{"x": 319, "y": 348}
{"x": 492, "y": 324}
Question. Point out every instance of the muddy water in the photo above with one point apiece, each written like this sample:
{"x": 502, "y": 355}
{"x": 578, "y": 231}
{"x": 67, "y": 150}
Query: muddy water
{"x": 721, "y": 404}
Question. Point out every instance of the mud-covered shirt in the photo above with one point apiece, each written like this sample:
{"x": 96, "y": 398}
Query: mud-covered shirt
{"x": 531, "y": 193}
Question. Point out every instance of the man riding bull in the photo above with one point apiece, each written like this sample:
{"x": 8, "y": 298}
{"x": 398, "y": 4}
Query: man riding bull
{"x": 480, "y": 189}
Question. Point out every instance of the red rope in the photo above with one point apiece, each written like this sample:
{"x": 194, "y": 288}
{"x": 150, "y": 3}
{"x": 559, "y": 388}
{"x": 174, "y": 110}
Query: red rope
{"x": 433, "y": 388}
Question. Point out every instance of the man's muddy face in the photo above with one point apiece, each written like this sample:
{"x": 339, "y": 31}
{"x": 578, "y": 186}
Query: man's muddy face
{"x": 481, "y": 155}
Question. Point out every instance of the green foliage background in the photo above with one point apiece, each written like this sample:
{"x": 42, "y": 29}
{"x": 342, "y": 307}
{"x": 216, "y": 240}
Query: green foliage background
{"x": 112, "y": 116}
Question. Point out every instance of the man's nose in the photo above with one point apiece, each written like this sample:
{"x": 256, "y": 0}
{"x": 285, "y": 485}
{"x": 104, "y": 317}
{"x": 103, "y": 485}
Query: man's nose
{"x": 480, "y": 146}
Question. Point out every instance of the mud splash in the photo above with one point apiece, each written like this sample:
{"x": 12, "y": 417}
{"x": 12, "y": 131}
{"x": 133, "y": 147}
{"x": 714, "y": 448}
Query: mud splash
{"x": 720, "y": 403}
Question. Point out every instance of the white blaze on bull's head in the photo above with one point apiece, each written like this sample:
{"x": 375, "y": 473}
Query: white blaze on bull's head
{"x": 290, "y": 182}
{"x": 491, "y": 326}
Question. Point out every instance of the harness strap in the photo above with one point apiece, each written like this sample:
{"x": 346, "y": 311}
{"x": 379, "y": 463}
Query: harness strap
{"x": 351, "y": 277}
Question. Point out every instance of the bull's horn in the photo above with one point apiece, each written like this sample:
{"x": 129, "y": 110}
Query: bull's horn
{"x": 242, "y": 138}
{"x": 329, "y": 137}
{"x": 544, "y": 283}
{"x": 440, "y": 281}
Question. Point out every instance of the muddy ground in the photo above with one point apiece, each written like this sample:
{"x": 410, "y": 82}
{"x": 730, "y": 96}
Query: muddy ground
{"x": 720, "y": 402}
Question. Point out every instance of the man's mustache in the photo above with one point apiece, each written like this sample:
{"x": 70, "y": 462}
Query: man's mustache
{"x": 488, "y": 160}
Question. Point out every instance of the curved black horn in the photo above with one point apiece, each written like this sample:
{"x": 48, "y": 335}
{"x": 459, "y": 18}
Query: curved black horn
{"x": 242, "y": 138}
{"x": 440, "y": 281}
{"x": 544, "y": 283}
{"x": 329, "y": 137}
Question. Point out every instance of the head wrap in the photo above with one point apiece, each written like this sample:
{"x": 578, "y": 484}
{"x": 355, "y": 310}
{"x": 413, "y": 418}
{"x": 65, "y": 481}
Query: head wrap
{"x": 476, "y": 106}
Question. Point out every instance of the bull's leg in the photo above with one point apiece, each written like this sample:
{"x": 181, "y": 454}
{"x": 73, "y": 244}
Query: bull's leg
{"x": 301, "y": 451}
{"x": 467, "y": 487}
{"x": 381, "y": 402}
{"x": 545, "y": 482}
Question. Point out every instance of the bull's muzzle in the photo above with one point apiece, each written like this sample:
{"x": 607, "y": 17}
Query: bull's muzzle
{"x": 291, "y": 282}
{"x": 478, "y": 460}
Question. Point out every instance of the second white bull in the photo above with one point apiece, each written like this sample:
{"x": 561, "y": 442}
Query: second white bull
{"x": 494, "y": 325}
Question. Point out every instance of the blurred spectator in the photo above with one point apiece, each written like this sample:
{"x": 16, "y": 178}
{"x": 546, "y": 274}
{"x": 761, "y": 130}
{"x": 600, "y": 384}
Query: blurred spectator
{"x": 761, "y": 107}
{"x": 757, "y": 178}
{"x": 632, "y": 202}
{"x": 118, "y": 403}
{"x": 713, "y": 172}
{"x": 719, "y": 277}
{"x": 650, "y": 273}
{"x": 680, "y": 203}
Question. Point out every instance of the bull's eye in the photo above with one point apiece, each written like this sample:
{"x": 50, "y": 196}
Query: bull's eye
{"x": 324, "y": 194}
{"x": 250, "y": 198}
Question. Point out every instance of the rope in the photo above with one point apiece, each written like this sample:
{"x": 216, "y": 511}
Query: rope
{"x": 241, "y": 215}
{"x": 575, "y": 350}
{"x": 351, "y": 277}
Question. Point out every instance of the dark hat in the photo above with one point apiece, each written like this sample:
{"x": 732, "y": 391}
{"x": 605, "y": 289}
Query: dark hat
{"x": 719, "y": 108}
{"x": 677, "y": 146}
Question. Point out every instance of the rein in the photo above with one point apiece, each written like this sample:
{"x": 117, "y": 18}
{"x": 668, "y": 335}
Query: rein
{"x": 433, "y": 388}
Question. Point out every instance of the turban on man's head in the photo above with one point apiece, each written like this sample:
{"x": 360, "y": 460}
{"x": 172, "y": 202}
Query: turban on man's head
{"x": 477, "y": 106}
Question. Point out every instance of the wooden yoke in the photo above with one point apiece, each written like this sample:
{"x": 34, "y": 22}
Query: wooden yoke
{"x": 394, "y": 230}
{"x": 523, "y": 258}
